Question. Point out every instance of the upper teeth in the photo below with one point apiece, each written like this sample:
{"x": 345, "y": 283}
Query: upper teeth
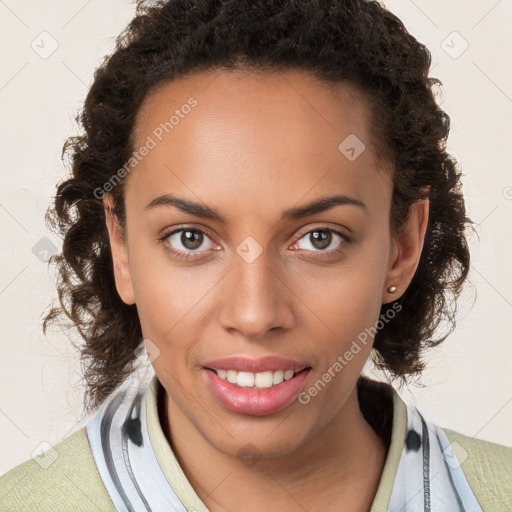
{"x": 258, "y": 380}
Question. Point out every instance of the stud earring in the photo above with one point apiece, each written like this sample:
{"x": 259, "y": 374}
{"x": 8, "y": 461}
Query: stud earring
{"x": 392, "y": 289}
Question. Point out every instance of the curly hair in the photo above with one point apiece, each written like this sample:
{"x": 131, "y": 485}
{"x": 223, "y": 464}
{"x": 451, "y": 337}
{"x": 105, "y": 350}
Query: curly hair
{"x": 338, "y": 41}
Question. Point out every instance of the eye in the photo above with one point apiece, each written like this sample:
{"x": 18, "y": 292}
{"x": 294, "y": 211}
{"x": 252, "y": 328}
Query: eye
{"x": 321, "y": 239}
{"x": 183, "y": 242}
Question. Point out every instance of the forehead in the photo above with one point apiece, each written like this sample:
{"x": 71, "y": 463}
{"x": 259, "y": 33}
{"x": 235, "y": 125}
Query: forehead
{"x": 231, "y": 132}
{"x": 247, "y": 96}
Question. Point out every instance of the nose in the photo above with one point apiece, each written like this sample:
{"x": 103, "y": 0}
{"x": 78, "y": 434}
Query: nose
{"x": 255, "y": 299}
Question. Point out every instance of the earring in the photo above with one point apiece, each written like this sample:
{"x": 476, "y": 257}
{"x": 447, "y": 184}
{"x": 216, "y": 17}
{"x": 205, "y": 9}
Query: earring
{"x": 392, "y": 289}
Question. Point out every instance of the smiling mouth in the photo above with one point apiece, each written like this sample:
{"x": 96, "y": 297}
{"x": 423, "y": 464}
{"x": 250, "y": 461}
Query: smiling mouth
{"x": 259, "y": 380}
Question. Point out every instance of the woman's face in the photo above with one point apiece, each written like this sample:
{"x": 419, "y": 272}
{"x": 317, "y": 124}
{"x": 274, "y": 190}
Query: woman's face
{"x": 232, "y": 159}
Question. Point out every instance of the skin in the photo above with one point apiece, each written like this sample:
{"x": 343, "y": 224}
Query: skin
{"x": 254, "y": 146}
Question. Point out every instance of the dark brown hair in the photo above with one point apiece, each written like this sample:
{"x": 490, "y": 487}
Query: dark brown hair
{"x": 352, "y": 41}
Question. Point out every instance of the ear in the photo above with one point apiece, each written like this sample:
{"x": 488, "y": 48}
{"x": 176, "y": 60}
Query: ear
{"x": 119, "y": 251}
{"x": 406, "y": 251}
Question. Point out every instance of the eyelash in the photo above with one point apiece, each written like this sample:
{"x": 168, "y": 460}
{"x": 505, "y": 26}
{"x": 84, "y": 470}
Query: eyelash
{"x": 188, "y": 255}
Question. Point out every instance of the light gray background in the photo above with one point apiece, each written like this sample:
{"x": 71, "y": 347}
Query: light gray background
{"x": 468, "y": 386}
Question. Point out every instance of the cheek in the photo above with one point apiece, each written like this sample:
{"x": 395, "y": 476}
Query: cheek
{"x": 342, "y": 309}
{"x": 173, "y": 304}
{"x": 345, "y": 299}
{"x": 166, "y": 292}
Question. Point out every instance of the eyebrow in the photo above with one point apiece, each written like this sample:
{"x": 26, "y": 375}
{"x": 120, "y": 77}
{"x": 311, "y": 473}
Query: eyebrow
{"x": 200, "y": 210}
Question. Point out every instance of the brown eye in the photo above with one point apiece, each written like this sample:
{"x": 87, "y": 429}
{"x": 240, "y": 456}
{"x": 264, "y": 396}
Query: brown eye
{"x": 320, "y": 239}
{"x": 191, "y": 239}
{"x": 187, "y": 240}
{"x": 323, "y": 240}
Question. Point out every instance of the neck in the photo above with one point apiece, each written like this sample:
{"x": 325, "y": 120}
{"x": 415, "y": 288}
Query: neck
{"x": 341, "y": 464}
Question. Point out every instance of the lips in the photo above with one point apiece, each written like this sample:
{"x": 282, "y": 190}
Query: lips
{"x": 255, "y": 401}
{"x": 263, "y": 364}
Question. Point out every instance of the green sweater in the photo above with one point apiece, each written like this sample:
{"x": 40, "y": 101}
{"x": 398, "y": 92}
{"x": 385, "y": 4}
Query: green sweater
{"x": 71, "y": 482}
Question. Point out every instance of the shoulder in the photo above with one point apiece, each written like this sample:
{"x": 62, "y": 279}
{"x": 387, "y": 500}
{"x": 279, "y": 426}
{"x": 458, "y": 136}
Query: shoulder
{"x": 63, "y": 478}
{"x": 488, "y": 469}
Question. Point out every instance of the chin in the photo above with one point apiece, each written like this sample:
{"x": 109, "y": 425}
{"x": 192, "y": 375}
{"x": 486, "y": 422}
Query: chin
{"x": 256, "y": 442}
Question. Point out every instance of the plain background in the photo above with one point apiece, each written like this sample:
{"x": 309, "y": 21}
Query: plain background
{"x": 49, "y": 52}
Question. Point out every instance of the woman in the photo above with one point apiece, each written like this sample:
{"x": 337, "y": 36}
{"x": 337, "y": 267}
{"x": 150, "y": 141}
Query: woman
{"x": 262, "y": 199}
